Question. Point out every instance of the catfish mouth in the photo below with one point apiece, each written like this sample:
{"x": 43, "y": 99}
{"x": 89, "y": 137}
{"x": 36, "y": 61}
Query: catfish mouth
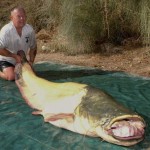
{"x": 132, "y": 128}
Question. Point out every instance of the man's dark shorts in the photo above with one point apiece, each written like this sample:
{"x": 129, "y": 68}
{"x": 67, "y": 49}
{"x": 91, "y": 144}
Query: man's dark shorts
{"x": 5, "y": 64}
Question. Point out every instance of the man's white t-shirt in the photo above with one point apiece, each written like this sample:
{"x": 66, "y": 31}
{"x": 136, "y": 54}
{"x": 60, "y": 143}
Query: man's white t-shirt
{"x": 10, "y": 40}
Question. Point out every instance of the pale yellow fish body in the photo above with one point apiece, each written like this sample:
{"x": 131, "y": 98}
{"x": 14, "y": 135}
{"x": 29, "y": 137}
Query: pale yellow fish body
{"x": 79, "y": 108}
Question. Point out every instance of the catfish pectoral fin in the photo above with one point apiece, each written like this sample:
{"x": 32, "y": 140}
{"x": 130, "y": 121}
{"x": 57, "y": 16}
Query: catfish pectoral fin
{"x": 54, "y": 117}
{"x": 38, "y": 112}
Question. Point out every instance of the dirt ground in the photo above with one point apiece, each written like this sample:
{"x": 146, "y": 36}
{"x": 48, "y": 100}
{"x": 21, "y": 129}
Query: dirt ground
{"x": 134, "y": 61}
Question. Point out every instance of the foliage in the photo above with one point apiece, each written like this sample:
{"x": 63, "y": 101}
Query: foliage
{"x": 81, "y": 26}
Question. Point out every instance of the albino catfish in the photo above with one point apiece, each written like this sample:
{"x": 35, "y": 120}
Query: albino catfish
{"x": 79, "y": 107}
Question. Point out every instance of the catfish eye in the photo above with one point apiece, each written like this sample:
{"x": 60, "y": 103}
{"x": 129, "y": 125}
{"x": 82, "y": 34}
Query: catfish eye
{"x": 126, "y": 119}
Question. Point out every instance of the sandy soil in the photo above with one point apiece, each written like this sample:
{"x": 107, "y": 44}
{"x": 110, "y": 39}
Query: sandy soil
{"x": 134, "y": 61}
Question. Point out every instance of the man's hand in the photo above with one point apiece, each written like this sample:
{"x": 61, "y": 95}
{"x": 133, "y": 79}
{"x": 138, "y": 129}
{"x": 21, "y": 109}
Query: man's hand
{"x": 31, "y": 63}
{"x": 5, "y": 52}
{"x": 16, "y": 57}
{"x": 32, "y": 54}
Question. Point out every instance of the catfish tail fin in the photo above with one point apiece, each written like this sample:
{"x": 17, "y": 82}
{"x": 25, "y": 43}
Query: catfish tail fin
{"x": 22, "y": 54}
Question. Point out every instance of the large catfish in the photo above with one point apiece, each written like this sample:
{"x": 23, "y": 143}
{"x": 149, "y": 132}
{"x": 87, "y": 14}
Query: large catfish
{"x": 79, "y": 107}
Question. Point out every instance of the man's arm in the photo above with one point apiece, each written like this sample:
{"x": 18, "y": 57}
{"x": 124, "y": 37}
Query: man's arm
{"x": 32, "y": 55}
{"x": 6, "y": 53}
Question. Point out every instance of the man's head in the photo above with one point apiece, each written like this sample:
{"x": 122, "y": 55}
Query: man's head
{"x": 18, "y": 17}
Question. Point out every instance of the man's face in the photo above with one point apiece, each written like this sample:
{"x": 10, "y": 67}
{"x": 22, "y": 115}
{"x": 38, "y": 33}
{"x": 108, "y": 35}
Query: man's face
{"x": 18, "y": 17}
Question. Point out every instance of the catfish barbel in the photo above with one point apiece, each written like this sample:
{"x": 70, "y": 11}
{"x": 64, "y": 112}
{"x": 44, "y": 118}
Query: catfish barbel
{"x": 79, "y": 107}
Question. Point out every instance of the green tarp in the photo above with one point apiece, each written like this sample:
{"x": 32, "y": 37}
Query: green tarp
{"x": 20, "y": 130}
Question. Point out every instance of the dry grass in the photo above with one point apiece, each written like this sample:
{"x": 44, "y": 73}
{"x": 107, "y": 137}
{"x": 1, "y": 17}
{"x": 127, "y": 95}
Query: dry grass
{"x": 84, "y": 26}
